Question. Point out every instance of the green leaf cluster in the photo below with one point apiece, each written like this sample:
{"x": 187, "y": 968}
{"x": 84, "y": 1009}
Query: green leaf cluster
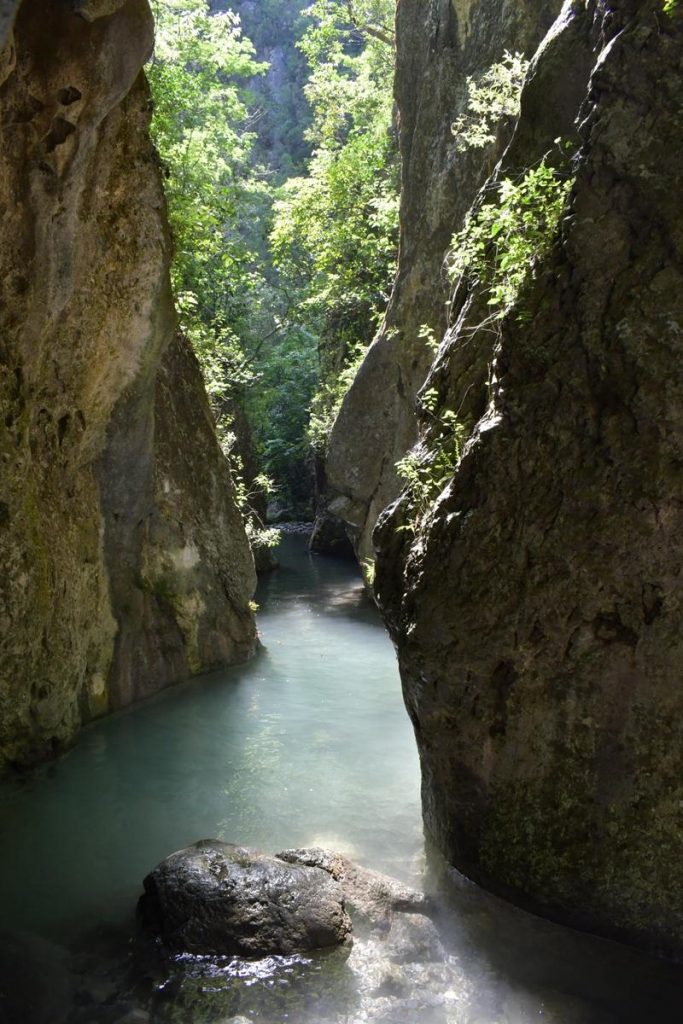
{"x": 335, "y": 231}
{"x": 494, "y": 96}
{"x": 201, "y": 127}
{"x": 505, "y": 240}
{"x": 429, "y": 467}
{"x": 328, "y": 398}
{"x": 279, "y": 288}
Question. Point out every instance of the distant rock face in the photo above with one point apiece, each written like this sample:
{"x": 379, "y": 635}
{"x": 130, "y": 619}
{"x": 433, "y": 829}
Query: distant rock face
{"x": 124, "y": 562}
{"x": 439, "y": 44}
{"x": 218, "y": 898}
{"x": 537, "y": 611}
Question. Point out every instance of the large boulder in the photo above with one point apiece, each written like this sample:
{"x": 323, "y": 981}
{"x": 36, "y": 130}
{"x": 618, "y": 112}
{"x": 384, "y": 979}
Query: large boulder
{"x": 218, "y": 898}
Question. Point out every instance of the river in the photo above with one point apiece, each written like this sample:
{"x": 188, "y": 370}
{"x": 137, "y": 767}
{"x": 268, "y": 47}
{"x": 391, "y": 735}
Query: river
{"x": 308, "y": 744}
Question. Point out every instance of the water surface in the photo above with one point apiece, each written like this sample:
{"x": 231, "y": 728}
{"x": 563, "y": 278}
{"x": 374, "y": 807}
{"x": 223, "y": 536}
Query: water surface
{"x": 308, "y": 744}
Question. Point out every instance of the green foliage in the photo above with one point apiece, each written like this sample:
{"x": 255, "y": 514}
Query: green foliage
{"x": 500, "y": 247}
{"x": 246, "y": 497}
{"x": 327, "y": 401}
{"x": 429, "y": 467}
{"x": 496, "y": 95}
{"x": 278, "y": 315}
{"x": 200, "y": 128}
{"x": 281, "y": 111}
{"x": 428, "y": 335}
{"x": 278, "y": 412}
{"x": 670, "y": 6}
{"x": 369, "y": 570}
{"x": 506, "y": 239}
{"x": 335, "y": 231}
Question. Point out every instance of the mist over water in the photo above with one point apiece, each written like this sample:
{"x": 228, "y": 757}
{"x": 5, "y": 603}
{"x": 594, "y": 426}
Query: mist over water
{"x": 309, "y": 744}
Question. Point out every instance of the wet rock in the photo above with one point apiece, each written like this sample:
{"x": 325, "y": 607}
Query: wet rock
{"x": 371, "y": 897}
{"x": 329, "y": 536}
{"x": 134, "y": 1017}
{"x": 393, "y": 982}
{"x": 218, "y": 898}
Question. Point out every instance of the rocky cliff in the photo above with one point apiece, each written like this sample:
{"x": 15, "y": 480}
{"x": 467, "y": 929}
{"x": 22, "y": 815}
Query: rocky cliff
{"x": 536, "y": 605}
{"x": 124, "y": 561}
{"x": 439, "y": 45}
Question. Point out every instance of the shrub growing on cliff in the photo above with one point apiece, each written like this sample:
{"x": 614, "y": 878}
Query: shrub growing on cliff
{"x": 328, "y": 399}
{"x": 427, "y": 469}
{"x": 496, "y": 95}
{"x": 506, "y": 238}
{"x": 200, "y": 125}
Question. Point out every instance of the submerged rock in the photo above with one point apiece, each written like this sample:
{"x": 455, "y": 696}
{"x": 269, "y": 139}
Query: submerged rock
{"x": 396, "y": 970}
{"x": 218, "y": 898}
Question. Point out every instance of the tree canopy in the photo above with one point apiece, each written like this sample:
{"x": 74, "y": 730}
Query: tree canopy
{"x": 280, "y": 281}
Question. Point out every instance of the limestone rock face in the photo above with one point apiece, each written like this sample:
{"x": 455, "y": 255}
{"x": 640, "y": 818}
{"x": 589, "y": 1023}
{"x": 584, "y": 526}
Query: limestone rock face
{"x": 538, "y": 609}
{"x": 439, "y": 44}
{"x": 124, "y": 563}
{"x": 218, "y": 898}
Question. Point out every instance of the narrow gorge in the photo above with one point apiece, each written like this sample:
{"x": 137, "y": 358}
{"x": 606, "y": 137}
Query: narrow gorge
{"x": 435, "y": 304}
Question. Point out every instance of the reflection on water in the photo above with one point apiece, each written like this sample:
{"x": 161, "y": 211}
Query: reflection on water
{"x": 307, "y": 745}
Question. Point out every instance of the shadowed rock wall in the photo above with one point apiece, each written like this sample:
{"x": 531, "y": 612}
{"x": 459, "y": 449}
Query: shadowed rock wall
{"x": 538, "y": 609}
{"x": 124, "y": 562}
{"x": 439, "y": 44}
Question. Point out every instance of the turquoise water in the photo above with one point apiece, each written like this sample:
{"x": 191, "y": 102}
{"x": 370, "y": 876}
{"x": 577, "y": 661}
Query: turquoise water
{"x": 308, "y": 744}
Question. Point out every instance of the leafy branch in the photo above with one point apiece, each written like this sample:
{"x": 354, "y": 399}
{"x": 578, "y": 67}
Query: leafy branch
{"x": 375, "y": 31}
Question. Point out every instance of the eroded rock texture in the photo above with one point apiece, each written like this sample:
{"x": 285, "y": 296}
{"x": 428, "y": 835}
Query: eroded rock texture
{"x": 439, "y": 44}
{"x": 537, "y": 611}
{"x": 124, "y": 562}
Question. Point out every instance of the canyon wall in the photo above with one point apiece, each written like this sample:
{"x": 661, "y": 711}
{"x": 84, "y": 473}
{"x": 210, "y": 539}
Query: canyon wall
{"x": 537, "y": 604}
{"x": 125, "y": 566}
{"x": 440, "y": 43}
